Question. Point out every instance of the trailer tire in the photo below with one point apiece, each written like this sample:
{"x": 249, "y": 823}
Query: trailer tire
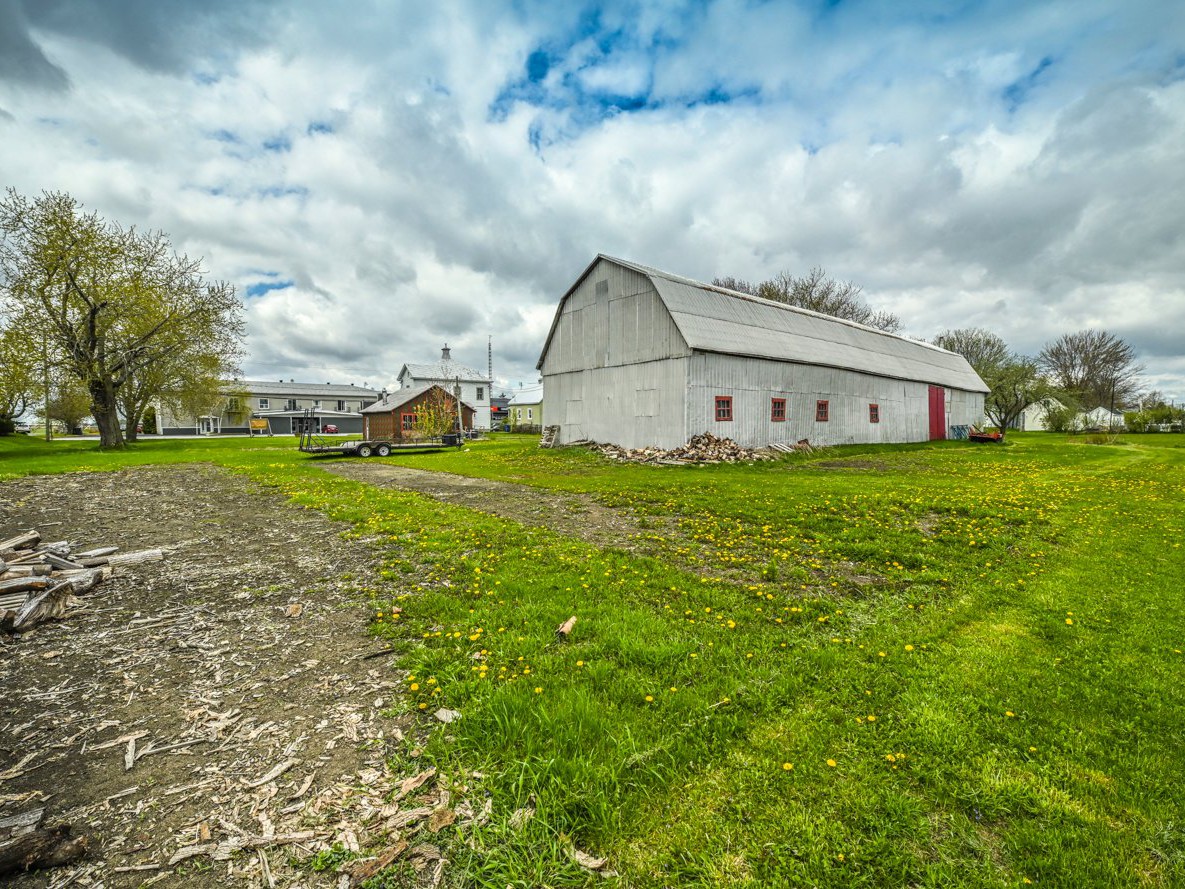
{"x": 364, "y": 451}
{"x": 383, "y": 450}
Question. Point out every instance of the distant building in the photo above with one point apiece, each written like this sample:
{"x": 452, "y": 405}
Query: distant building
{"x": 526, "y": 406}
{"x": 280, "y": 404}
{"x": 499, "y": 410}
{"x": 394, "y": 416}
{"x": 639, "y": 357}
{"x": 447, "y": 373}
{"x": 1103, "y": 418}
{"x": 1034, "y": 418}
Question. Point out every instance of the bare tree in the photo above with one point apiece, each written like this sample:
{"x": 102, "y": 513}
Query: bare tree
{"x": 1095, "y": 366}
{"x": 984, "y": 350}
{"x": 113, "y": 302}
{"x": 819, "y": 293}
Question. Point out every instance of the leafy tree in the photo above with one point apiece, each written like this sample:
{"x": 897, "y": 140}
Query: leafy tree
{"x": 984, "y": 350}
{"x": 113, "y": 301}
{"x": 1015, "y": 384}
{"x": 1064, "y": 417}
{"x": 819, "y": 293}
{"x": 1097, "y": 367}
{"x": 69, "y": 401}
{"x": 436, "y": 415}
{"x": 18, "y": 375}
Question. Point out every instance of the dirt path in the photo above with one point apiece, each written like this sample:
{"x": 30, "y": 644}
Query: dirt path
{"x": 571, "y": 514}
{"x": 205, "y": 719}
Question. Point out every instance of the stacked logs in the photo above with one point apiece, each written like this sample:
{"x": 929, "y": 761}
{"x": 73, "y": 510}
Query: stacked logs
{"x": 702, "y": 448}
{"x": 38, "y": 580}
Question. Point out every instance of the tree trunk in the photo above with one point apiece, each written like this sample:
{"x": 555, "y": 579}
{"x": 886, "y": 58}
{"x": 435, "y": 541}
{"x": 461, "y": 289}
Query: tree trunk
{"x": 106, "y": 416}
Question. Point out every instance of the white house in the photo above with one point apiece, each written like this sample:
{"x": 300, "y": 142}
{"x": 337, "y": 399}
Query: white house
{"x": 1033, "y": 417}
{"x": 526, "y": 406}
{"x": 447, "y": 373}
{"x": 1103, "y": 418}
{"x": 639, "y": 357}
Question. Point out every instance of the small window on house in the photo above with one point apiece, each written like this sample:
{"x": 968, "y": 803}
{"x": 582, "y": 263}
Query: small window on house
{"x": 264, "y": 404}
{"x": 481, "y": 393}
{"x": 232, "y": 404}
{"x": 341, "y": 405}
{"x": 723, "y": 408}
{"x": 821, "y": 411}
{"x": 317, "y": 403}
{"x": 290, "y": 404}
{"x": 777, "y": 410}
{"x": 874, "y": 413}
{"x": 407, "y": 422}
{"x": 530, "y": 414}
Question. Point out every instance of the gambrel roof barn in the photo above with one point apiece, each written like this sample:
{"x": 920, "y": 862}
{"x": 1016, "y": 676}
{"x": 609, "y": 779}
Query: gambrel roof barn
{"x": 640, "y": 357}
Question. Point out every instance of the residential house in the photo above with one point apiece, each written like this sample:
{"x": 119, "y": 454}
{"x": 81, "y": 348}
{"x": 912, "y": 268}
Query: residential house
{"x": 395, "y": 417}
{"x": 281, "y": 404}
{"x": 526, "y": 407}
{"x": 475, "y": 385}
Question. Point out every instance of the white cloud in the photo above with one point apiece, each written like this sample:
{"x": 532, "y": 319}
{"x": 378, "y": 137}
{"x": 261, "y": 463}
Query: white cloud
{"x": 1020, "y": 168}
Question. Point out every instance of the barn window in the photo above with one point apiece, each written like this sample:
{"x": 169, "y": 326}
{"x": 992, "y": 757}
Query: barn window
{"x": 481, "y": 393}
{"x": 821, "y": 411}
{"x": 777, "y": 410}
{"x": 264, "y": 404}
{"x": 874, "y": 413}
{"x": 407, "y": 422}
{"x": 723, "y": 408}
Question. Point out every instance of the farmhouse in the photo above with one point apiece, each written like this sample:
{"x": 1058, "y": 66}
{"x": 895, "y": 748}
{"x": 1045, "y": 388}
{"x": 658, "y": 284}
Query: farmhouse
{"x": 447, "y": 373}
{"x": 526, "y": 407}
{"x": 413, "y": 413}
{"x": 640, "y": 357}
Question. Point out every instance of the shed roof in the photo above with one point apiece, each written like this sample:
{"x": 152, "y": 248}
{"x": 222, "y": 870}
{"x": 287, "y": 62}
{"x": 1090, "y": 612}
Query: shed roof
{"x": 715, "y": 319}
{"x": 528, "y": 395}
{"x": 400, "y": 397}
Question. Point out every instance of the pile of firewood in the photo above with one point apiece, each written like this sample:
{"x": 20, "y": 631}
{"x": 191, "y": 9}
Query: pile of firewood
{"x": 39, "y": 581}
{"x": 702, "y": 448}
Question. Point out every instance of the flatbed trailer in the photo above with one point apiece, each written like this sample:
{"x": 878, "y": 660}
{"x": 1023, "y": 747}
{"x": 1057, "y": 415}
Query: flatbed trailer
{"x": 314, "y": 443}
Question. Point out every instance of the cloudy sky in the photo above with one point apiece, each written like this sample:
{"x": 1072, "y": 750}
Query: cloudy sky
{"x": 378, "y": 178}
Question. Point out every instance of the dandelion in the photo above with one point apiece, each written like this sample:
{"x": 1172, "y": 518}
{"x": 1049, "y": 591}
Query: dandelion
{"x": 871, "y": 718}
{"x": 1009, "y": 713}
{"x": 1032, "y": 750}
{"x": 909, "y": 648}
{"x": 649, "y": 699}
{"x": 538, "y": 690}
{"x": 580, "y": 663}
{"x": 1069, "y": 621}
{"x": 832, "y": 763}
{"x": 787, "y": 766}
{"x": 415, "y": 686}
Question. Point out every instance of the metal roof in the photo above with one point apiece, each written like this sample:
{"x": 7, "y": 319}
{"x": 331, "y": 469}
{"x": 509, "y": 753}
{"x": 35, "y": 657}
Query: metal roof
{"x": 401, "y": 397}
{"x": 527, "y": 395}
{"x": 443, "y": 370}
{"x": 283, "y": 387}
{"x": 715, "y": 319}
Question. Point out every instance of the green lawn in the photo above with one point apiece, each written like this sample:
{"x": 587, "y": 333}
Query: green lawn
{"x": 947, "y": 665}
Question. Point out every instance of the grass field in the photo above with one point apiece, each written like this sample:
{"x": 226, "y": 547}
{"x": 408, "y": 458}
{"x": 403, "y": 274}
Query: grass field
{"x": 921, "y": 665}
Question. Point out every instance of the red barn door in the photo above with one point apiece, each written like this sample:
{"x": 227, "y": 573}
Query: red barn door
{"x": 937, "y": 413}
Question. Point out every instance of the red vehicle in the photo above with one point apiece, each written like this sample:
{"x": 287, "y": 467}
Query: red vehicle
{"x": 329, "y": 429}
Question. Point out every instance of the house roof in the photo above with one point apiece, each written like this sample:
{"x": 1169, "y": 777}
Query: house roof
{"x": 715, "y": 319}
{"x": 527, "y": 395}
{"x": 400, "y": 397}
{"x": 446, "y": 369}
{"x": 283, "y": 387}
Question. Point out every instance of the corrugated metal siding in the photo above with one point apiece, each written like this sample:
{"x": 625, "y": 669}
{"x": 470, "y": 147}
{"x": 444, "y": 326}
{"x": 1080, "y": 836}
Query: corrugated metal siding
{"x": 632, "y": 405}
{"x": 753, "y": 382}
{"x": 624, "y": 324}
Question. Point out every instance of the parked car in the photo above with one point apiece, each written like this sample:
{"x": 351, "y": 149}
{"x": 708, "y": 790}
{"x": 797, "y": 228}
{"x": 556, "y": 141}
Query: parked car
{"x": 329, "y": 428}
{"x": 23, "y": 428}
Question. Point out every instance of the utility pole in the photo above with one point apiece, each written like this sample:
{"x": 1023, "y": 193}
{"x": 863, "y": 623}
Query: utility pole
{"x": 45, "y": 366}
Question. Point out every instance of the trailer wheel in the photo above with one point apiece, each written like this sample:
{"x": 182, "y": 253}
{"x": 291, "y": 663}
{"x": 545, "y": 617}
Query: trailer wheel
{"x": 383, "y": 450}
{"x": 364, "y": 451}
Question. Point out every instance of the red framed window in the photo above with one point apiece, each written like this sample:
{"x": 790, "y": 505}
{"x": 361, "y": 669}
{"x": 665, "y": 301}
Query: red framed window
{"x": 723, "y": 408}
{"x": 822, "y": 411}
{"x": 874, "y": 413}
{"x": 777, "y": 410}
{"x": 407, "y": 422}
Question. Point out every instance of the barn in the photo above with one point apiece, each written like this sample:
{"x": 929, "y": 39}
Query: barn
{"x": 640, "y": 357}
{"x": 394, "y": 417}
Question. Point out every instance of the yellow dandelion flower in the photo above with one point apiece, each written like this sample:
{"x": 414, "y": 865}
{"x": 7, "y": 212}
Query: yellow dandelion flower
{"x": 1009, "y": 713}
{"x": 787, "y": 766}
{"x": 649, "y": 699}
{"x": 909, "y": 648}
{"x": 538, "y": 690}
{"x": 1069, "y": 621}
{"x": 580, "y": 663}
{"x": 832, "y": 763}
{"x": 871, "y": 718}
{"x": 415, "y": 686}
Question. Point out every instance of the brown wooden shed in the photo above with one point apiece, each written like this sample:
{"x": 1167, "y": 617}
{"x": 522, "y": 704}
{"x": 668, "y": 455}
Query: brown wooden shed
{"x": 395, "y": 417}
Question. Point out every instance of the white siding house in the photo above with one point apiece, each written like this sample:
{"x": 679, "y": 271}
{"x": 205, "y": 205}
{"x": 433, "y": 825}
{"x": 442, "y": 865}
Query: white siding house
{"x": 447, "y": 373}
{"x": 639, "y": 357}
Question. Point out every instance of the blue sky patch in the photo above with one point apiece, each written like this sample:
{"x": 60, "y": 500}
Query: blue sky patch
{"x": 319, "y": 127}
{"x": 1017, "y": 92}
{"x": 278, "y": 143}
{"x": 262, "y": 287}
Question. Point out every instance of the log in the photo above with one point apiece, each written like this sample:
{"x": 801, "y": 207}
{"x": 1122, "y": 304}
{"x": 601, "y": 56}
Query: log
{"x": 144, "y": 555}
{"x": 23, "y": 584}
{"x": 49, "y": 847}
{"x": 21, "y": 541}
{"x": 61, "y": 562}
{"x": 25, "y": 571}
{"x": 96, "y": 552}
{"x": 47, "y": 605}
{"x": 564, "y": 630}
